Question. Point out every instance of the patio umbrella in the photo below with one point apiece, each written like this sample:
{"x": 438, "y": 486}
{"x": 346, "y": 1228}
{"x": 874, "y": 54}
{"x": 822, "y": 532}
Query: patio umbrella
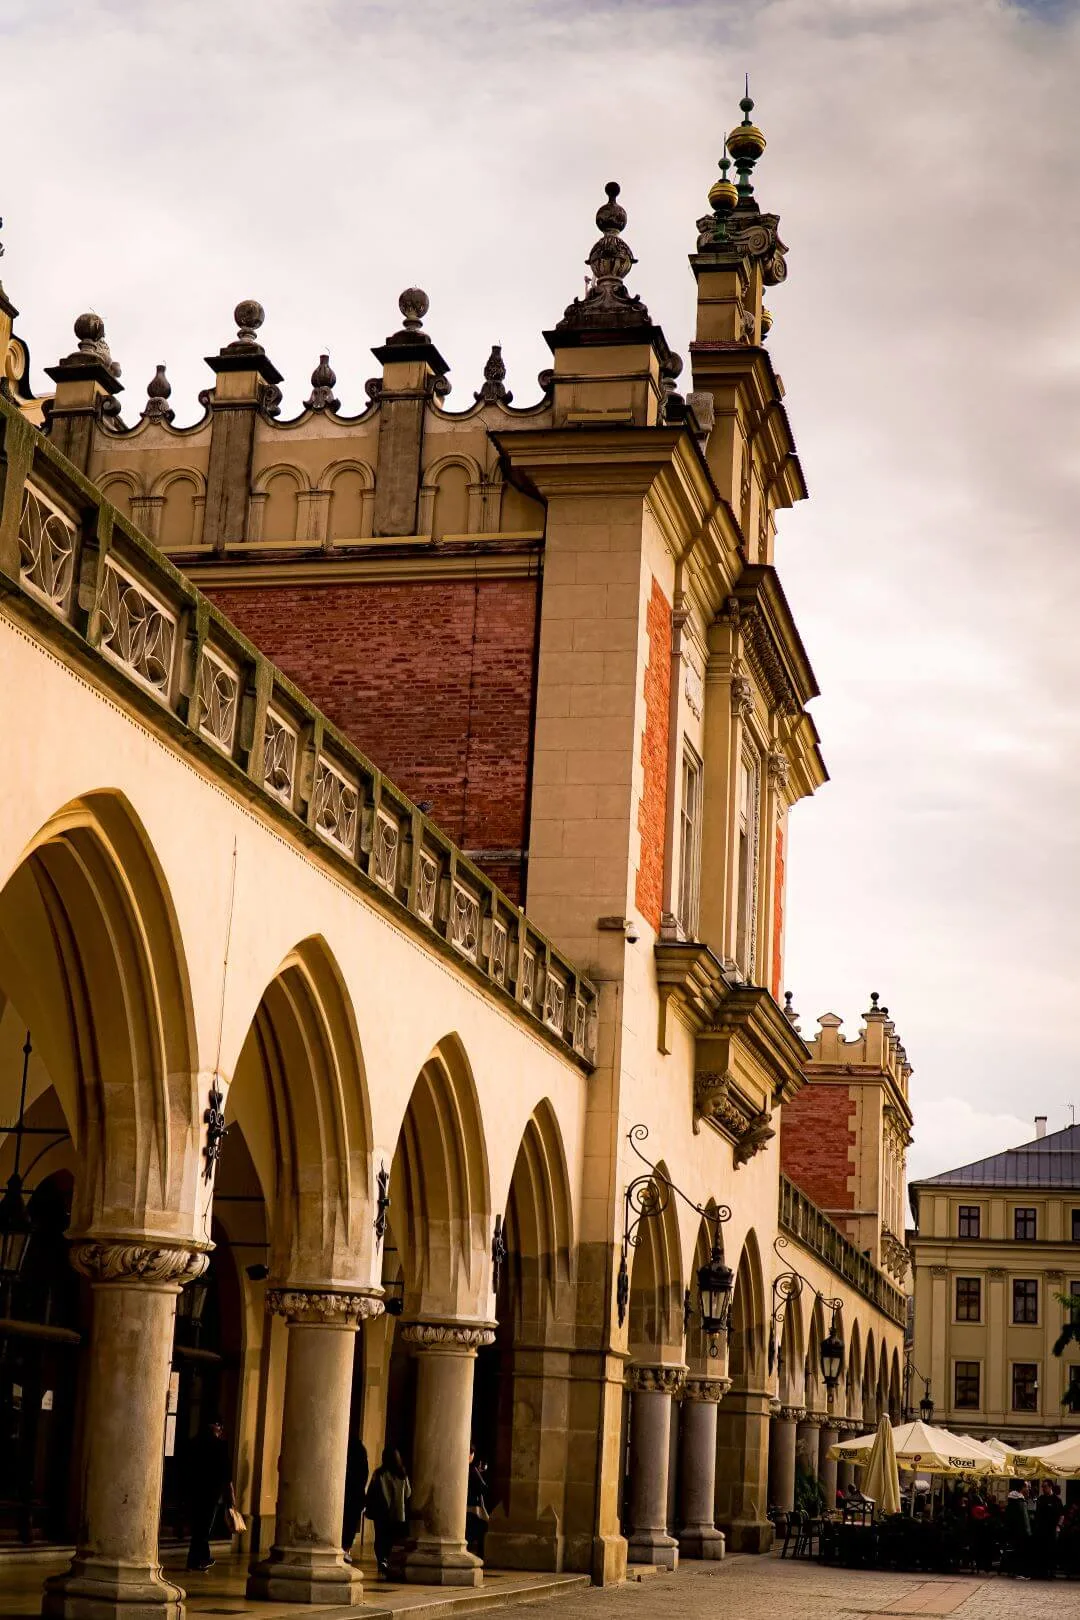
{"x": 1061, "y": 1460}
{"x": 926, "y": 1449}
{"x": 881, "y": 1482}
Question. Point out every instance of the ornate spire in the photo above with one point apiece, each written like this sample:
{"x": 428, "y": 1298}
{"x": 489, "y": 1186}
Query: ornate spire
{"x": 494, "y": 389}
{"x": 322, "y": 387}
{"x": 607, "y": 305}
{"x": 746, "y": 144}
{"x": 736, "y": 227}
{"x": 158, "y": 390}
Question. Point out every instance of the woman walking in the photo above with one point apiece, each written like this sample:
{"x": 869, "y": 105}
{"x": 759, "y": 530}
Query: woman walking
{"x": 387, "y": 1495}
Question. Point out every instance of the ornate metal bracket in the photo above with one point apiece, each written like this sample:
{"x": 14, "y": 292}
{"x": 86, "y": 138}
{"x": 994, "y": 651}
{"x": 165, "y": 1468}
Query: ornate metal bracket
{"x": 498, "y": 1252}
{"x": 216, "y": 1130}
{"x": 789, "y": 1285}
{"x": 382, "y": 1201}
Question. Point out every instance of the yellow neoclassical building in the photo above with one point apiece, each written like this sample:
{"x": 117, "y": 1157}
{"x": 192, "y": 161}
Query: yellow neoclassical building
{"x": 392, "y": 884}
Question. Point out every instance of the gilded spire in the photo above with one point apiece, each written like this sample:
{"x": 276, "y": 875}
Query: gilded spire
{"x": 746, "y": 144}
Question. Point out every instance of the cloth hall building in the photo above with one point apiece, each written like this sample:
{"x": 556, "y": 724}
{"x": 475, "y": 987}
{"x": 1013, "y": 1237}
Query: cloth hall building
{"x": 393, "y": 845}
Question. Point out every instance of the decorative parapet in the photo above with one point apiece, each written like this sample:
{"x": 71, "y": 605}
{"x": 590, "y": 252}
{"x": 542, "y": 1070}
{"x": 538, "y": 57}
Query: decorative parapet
{"x": 97, "y": 589}
{"x": 894, "y": 1254}
{"x": 803, "y": 1221}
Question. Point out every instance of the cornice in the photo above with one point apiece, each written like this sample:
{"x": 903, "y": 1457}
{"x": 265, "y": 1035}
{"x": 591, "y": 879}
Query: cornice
{"x": 751, "y": 368}
{"x": 759, "y": 610}
{"x": 383, "y": 564}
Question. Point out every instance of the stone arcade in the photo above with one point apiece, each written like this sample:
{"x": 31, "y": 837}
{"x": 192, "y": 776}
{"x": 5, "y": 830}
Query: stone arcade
{"x": 559, "y": 627}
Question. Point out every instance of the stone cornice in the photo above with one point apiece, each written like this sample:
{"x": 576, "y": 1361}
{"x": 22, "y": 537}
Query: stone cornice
{"x": 411, "y": 558}
{"x": 759, "y": 611}
{"x": 750, "y": 368}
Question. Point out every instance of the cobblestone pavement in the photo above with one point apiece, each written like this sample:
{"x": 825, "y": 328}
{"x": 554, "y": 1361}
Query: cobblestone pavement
{"x": 744, "y": 1588}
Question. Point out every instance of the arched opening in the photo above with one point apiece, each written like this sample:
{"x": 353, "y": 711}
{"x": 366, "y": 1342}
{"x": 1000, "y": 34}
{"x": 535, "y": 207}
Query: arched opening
{"x": 181, "y": 516}
{"x": 450, "y": 510}
{"x": 281, "y": 506}
{"x": 351, "y": 494}
{"x": 742, "y": 1435}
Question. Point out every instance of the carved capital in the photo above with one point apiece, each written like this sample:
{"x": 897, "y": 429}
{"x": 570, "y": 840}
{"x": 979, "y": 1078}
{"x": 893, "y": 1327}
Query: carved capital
{"x": 120, "y": 1261}
{"x": 706, "y": 1389}
{"x": 742, "y": 696}
{"x": 793, "y": 1414}
{"x": 448, "y": 1335}
{"x": 941, "y": 1271}
{"x": 813, "y": 1420}
{"x": 323, "y": 1307}
{"x": 656, "y": 1380}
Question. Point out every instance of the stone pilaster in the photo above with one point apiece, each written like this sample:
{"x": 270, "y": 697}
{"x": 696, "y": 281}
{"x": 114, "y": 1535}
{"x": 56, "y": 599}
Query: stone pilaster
{"x": 115, "y": 1571}
{"x": 782, "y": 1439}
{"x": 652, "y": 1390}
{"x": 305, "y": 1563}
{"x": 742, "y": 1464}
{"x": 435, "y": 1553}
{"x": 698, "y": 1535}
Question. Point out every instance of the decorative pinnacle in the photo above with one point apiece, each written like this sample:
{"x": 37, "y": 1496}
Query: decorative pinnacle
{"x": 746, "y": 144}
{"x": 158, "y": 390}
{"x": 322, "y": 387}
{"x": 494, "y": 388}
{"x": 414, "y": 305}
{"x": 607, "y": 303}
{"x": 90, "y": 331}
{"x": 249, "y": 316}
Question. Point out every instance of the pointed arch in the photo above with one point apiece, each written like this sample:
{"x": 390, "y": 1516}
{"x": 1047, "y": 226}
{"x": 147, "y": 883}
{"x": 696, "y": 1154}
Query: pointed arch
{"x": 539, "y": 1226}
{"x": 853, "y": 1372}
{"x": 300, "y": 1094}
{"x": 440, "y": 1190}
{"x": 91, "y": 953}
{"x": 746, "y": 1356}
{"x": 656, "y": 1286}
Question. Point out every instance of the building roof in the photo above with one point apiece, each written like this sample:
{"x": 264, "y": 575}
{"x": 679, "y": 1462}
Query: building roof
{"x": 1049, "y": 1161}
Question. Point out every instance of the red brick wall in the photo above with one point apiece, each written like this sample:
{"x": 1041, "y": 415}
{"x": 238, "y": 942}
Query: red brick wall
{"x": 652, "y": 811}
{"x": 815, "y": 1135}
{"x": 433, "y": 680}
{"x": 778, "y": 918}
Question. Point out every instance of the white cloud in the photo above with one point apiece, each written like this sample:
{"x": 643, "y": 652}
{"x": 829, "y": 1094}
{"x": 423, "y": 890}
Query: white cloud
{"x": 951, "y": 1131}
{"x": 320, "y": 155}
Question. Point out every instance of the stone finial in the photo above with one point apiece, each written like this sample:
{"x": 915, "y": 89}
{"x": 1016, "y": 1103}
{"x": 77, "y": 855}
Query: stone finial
{"x": 412, "y": 343}
{"x": 789, "y": 1011}
{"x": 322, "y": 387}
{"x": 875, "y": 1009}
{"x": 90, "y": 331}
{"x": 158, "y": 390}
{"x": 414, "y": 304}
{"x": 494, "y": 390}
{"x": 672, "y": 404}
{"x": 607, "y": 305}
{"x": 249, "y": 316}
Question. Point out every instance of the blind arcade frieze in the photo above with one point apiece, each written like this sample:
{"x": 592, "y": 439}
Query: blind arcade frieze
{"x": 77, "y": 562}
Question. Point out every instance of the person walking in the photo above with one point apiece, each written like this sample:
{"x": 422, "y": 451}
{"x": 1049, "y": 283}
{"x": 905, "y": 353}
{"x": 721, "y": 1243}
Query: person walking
{"x": 387, "y": 1495}
{"x": 356, "y": 1480}
{"x": 1017, "y": 1559}
{"x": 211, "y": 1488}
{"x": 476, "y": 1505}
{"x": 1048, "y": 1514}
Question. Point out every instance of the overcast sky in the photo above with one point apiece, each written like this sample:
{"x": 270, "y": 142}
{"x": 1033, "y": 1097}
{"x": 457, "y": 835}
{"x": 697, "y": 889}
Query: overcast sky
{"x": 164, "y": 161}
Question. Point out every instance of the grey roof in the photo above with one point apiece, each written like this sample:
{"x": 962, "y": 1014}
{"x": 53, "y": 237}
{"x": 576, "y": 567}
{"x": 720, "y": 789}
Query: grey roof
{"x": 1049, "y": 1161}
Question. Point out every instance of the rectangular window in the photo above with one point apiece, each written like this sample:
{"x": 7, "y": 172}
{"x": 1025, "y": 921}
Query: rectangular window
{"x": 1074, "y": 1310}
{"x": 966, "y": 1382}
{"x": 1024, "y": 1225}
{"x": 746, "y": 867}
{"x": 969, "y": 1299}
{"x": 968, "y": 1218}
{"x": 1025, "y": 1299}
{"x": 690, "y": 844}
{"x": 1076, "y": 1225}
{"x": 1025, "y": 1386}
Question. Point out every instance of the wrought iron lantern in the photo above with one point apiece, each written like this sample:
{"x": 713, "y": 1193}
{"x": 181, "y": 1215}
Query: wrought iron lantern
{"x": 926, "y": 1405}
{"x": 648, "y": 1196}
{"x": 831, "y": 1353}
{"x": 788, "y": 1285}
{"x": 16, "y": 1220}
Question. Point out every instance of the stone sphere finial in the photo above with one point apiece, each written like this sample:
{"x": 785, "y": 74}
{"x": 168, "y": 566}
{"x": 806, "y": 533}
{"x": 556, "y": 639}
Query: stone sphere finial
{"x": 89, "y": 328}
{"x": 611, "y": 216}
{"x": 323, "y": 379}
{"x": 249, "y": 316}
{"x": 158, "y": 390}
{"x": 414, "y": 305}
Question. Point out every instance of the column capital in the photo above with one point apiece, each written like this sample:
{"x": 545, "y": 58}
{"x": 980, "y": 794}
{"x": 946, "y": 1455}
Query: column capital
{"x": 128, "y": 1259}
{"x": 792, "y": 1414}
{"x": 448, "y": 1335}
{"x": 324, "y": 1307}
{"x": 813, "y": 1420}
{"x": 706, "y": 1389}
{"x": 656, "y": 1380}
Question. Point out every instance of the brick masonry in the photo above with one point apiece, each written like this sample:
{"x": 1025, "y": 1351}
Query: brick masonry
{"x": 433, "y": 680}
{"x": 816, "y": 1138}
{"x": 652, "y": 811}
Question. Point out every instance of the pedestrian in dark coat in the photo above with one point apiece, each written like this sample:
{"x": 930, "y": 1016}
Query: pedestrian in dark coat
{"x": 211, "y": 1489}
{"x": 1017, "y": 1559}
{"x": 356, "y": 1480}
{"x": 385, "y": 1505}
{"x": 1048, "y": 1514}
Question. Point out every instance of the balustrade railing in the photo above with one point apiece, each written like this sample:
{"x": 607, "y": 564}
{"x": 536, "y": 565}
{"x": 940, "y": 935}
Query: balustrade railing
{"x": 802, "y": 1220}
{"x": 87, "y": 570}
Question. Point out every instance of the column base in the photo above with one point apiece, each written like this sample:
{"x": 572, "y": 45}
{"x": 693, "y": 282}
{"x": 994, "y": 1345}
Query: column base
{"x": 100, "y": 1589}
{"x": 702, "y": 1541}
{"x": 287, "y": 1577}
{"x": 435, "y": 1562}
{"x": 524, "y": 1543}
{"x": 750, "y": 1535}
{"x": 653, "y": 1547}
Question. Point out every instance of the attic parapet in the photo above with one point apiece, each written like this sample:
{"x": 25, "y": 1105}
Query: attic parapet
{"x": 876, "y": 1048}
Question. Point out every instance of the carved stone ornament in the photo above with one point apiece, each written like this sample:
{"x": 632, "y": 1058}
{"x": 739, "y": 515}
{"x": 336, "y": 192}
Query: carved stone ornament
{"x": 814, "y": 1420}
{"x": 943, "y": 1271}
{"x": 322, "y": 396}
{"x": 710, "y": 1390}
{"x": 793, "y": 1414}
{"x": 750, "y": 234}
{"x": 656, "y": 1380}
{"x": 448, "y": 1335}
{"x": 607, "y": 304}
{"x": 126, "y": 1261}
{"x": 742, "y": 696}
{"x": 778, "y": 768}
{"x": 319, "y": 1307}
{"x": 493, "y": 390}
{"x": 754, "y": 1138}
{"x": 158, "y": 391}
{"x": 716, "y": 1098}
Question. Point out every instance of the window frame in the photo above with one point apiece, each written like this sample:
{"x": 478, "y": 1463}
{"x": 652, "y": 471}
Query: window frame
{"x": 1075, "y": 1224}
{"x": 747, "y": 836}
{"x": 1014, "y": 1368}
{"x": 972, "y": 1214}
{"x": 690, "y": 829}
{"x": 967, "y": 1406}
{"x": 1027, "y": 1300}
{"x": 974, "y": 1284}
{"x": 1023, "y": 1211}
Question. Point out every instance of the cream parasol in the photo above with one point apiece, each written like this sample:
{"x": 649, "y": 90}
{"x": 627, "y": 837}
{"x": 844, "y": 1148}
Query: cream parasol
{"x": 926, "y": 1449}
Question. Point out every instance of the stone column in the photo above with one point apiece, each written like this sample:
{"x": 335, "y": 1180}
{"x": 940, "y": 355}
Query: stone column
{"x": 435, "y": 1553}
{"x": 116, "y": 1570}
{"x": 782, "y": 1432}
{"x": 306, "y": 1563}
{"x": 698, "y": 1535}
{"x": 808, "y": 1444}
{"x": 652, "y": 1389}
{"x": 827, "y": 1466}
{"x": 742, "y": 1465}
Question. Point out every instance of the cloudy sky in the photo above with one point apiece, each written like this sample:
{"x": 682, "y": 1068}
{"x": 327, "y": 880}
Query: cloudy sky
{"x": 164, "y": 161}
